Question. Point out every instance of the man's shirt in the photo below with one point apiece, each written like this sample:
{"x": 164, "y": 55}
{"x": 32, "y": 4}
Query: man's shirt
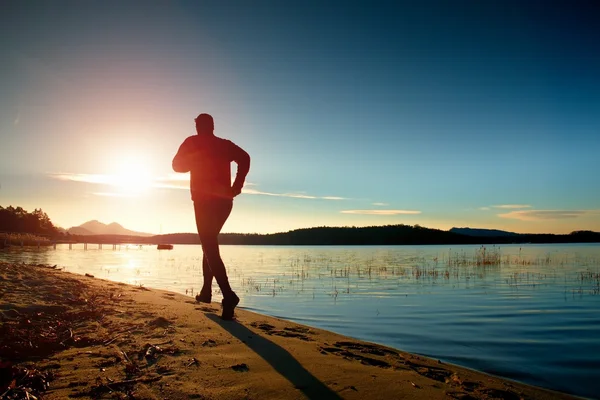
{"x": 208, "y": 159}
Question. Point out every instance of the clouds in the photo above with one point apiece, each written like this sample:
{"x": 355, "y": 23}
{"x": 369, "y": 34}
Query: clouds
{"x": 526, "y": 212}
{"x": 512, "y": 206}
{"x": 171, "y": 181}
{"x": 547, "y": 215}
{"x": 291, "y": 195}
{"x": 87, "y": 178}
{"x": 505, "y": 206}
{"x": 381, "y": 212}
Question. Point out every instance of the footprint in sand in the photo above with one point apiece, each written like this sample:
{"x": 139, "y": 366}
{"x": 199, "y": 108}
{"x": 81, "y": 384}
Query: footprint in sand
{"x": 354, "y": 356}
{"x": 437, "y": 374}
{"x": 160, "y": 322}
{"x": 206, "y": 309}
{"x": 297, "y": 332}
{"x": 367, "y": 348}
{"x": 500, "y": 394}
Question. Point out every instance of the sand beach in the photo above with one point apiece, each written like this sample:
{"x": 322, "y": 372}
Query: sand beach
{"x": 64, "y": 335}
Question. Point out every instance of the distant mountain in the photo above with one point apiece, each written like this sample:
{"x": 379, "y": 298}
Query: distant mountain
{"x": 77, "y": 230}
{"x": 98, "y": 228}
{"x": 483, "y": 232}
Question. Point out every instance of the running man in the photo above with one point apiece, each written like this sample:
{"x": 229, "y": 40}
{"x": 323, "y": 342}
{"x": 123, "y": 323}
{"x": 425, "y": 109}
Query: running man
{"x": 208, "y": 159}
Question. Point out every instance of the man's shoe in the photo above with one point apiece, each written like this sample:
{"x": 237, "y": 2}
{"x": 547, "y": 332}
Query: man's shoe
{"x": 204, "y": 298}
{"x": 229, "y": 304}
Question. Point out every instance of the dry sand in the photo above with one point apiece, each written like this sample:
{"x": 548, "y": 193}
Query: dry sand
{"x": 91, "y": 338}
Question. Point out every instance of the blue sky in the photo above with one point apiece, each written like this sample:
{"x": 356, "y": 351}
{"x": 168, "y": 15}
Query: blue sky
{"x": 481, "y": 114}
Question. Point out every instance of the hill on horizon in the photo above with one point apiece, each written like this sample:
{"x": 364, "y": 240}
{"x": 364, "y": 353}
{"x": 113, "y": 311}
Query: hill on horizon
{"x": 370, "y": 235}
{"x": 95, "y": 227}
{"x": 383, "y": 235}
{"x": 479, "y": 232}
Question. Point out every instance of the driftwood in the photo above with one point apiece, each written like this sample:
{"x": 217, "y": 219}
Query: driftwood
{"x": 194, "y": 361}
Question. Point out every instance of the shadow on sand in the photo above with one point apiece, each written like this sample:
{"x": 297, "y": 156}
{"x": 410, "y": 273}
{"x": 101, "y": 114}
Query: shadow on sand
{"x": 280, "y": 359}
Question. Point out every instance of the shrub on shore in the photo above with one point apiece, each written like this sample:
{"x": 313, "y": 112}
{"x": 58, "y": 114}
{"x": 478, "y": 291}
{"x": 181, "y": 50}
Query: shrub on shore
{"x": 25, "y": 239}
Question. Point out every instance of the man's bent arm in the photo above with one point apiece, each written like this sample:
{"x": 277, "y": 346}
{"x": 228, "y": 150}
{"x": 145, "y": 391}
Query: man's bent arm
{"x": 183, "y": 159}
{"x": 243, "y": 166}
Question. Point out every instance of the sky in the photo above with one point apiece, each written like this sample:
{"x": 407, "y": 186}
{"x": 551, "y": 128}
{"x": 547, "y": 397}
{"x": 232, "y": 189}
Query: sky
{"x": 446, "y": 113}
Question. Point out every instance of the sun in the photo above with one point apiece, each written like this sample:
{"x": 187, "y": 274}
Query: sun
{"x": 131, "y": 174}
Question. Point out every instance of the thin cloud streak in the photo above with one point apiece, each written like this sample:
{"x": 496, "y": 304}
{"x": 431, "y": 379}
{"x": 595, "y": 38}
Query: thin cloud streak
{"x": 512, "y": 206}
{"x": 381, "y": 212}
{"x": 87, "y": 178}
{"x": 291, "y": 195}
{"x": 381, "y": 204}
{"x": 173, "y": 181}
{"x": 177, "y": 181}
{"x": 108, "y": 179}
{"x": 547, "y": 215}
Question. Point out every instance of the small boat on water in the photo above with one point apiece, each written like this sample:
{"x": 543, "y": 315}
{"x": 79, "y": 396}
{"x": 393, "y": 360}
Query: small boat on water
{"x": 165, "y": 247}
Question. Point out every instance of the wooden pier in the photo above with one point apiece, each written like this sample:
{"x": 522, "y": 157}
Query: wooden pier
{"x": 100, "y": 246}
{"x": 96, "y": 242}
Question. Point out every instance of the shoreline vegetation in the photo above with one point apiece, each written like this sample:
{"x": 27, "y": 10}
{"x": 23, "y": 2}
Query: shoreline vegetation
{"x": 390, "y": 235}
{"x": 348, "y": 236}
{"x": 65, "y": 335}
{"x": 19, "y": 227}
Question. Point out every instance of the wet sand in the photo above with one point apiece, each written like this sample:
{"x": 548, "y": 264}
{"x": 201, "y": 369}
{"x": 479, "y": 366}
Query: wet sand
{"x": 82, "y": 337}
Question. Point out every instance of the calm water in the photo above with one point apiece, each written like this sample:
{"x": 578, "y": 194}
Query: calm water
{"x": 529, "y": 313}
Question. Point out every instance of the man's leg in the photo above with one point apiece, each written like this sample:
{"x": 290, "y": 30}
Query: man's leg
{"x": 205, "y": 294}
{"x": 210, "y": 218}
{"x": 210, "y": 247}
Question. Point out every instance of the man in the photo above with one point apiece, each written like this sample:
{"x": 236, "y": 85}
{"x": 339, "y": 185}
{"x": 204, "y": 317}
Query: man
{"x": 208, "y": 159}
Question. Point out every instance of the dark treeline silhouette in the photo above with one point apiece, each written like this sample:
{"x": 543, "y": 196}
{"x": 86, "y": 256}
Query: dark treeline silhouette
{"x": 397, "y": 235}
{"x": 373, "y": 235}
{"x": 18, "y": 220}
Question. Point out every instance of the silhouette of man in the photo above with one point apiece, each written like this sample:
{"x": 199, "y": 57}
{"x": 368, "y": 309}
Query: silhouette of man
{"x": 208, "y": 159}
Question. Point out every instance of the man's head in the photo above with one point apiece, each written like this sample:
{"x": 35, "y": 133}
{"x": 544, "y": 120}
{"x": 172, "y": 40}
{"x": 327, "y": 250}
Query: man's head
{"x": 204, "y": 124}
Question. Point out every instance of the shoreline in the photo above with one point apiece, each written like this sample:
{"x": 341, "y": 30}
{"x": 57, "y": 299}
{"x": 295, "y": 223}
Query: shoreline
{"x": 100, "y": 338}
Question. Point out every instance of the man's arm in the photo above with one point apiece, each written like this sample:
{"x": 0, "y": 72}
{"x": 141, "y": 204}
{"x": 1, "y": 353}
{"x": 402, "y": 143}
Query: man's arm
{"x": 183, "y": 159}
{"x": 242, "y": 160}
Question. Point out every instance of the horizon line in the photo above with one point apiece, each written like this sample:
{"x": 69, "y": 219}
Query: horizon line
{"x": 146, "y": 234}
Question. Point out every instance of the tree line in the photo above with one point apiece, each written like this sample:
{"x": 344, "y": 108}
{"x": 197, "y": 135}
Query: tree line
{"x": 376, "y": 235}
{"x": 37, "y": 222}
{"x": 18, "y": 220}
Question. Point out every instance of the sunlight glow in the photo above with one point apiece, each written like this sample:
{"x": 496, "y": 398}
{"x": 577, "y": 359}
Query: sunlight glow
{"x": 131, "y": 174}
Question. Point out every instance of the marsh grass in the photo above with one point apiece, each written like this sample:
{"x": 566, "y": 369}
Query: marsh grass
{"x": 347, "y": 274}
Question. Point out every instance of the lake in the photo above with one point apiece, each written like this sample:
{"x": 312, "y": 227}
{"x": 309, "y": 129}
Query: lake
{"x": 525, "y": 312}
